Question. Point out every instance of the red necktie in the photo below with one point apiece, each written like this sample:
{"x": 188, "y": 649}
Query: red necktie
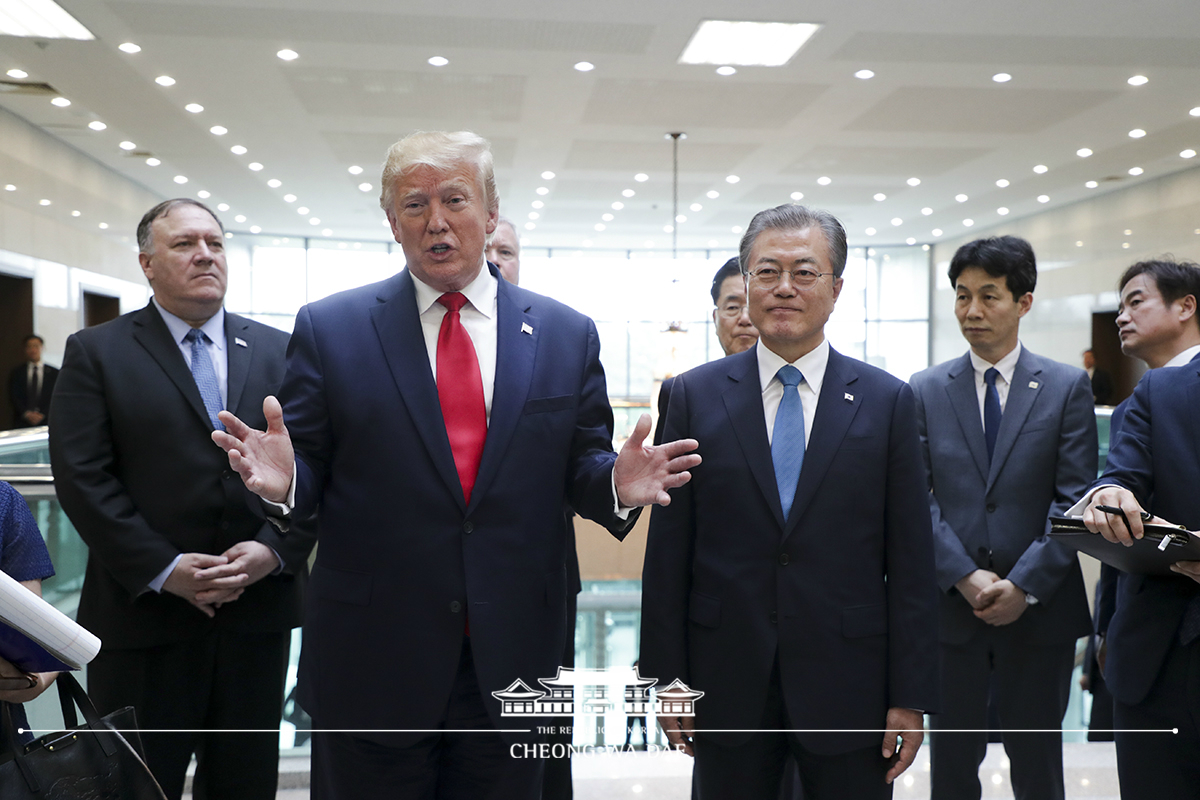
{"x": 460, "y": 392}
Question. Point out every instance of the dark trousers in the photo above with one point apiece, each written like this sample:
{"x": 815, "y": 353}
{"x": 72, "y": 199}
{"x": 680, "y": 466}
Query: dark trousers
{"x": 1154, "y": 766}
{"x": 219, "y": 682}
{"x": 756, "y": 769}
{"x": 440, "y": 766}
{"x": 557, "y": 783}
{"x": 1032, "y": 685}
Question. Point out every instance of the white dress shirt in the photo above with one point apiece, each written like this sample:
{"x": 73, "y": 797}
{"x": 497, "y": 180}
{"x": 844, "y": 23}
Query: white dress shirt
{"x": 811, "y": 365}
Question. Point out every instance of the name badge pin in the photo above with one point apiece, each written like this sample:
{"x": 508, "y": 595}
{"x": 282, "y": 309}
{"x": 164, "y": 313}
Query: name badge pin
{"x": 849, "y": 397}
{"x": 526, "y": 328}
{"x": 240, "y": 342}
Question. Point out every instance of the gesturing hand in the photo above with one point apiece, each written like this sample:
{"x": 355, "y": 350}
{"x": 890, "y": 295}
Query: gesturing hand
{"x": 643, "y": 473}
{"x": 264, "y": 459}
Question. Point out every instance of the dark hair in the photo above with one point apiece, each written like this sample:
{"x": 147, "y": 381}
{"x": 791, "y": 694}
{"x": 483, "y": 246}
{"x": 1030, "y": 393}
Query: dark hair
{"x": 30, "y": 338}
{"x": 728, "y": 270}
{"x": 1005, "y": 257}
{"x": 161, "y": 210}
{"x": 794, "y": 217}
{"x": 1175, "y": 279}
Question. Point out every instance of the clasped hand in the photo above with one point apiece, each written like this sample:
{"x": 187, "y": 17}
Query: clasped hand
{"x": 208, "y": 582}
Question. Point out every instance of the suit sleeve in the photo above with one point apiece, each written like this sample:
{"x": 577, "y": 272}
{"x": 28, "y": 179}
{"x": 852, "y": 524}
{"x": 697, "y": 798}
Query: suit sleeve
{"x": 951, "y": 561}
{"x": 664, "y": 400}
{"x": 1045, "y": 564}
{"x": 306, "y": 415}
{"x": 1130, "y": 455}
{"x": 913, "y": 678}
{"x": 84, "y": 463}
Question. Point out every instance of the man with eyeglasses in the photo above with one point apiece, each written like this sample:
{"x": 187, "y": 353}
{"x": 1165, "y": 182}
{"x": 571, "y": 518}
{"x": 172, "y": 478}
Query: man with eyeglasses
{"x": 791, "y": 581}
{"x": 1008, "y": 438}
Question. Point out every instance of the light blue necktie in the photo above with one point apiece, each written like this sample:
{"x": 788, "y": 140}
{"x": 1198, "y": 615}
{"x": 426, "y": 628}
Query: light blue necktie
{"x": 205, "y": 376}
{"x": 991, "y": 410}
{"x": 787, "y": 440}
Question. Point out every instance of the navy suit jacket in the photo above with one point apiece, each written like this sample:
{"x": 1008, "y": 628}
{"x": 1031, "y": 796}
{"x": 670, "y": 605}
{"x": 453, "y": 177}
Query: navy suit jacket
{"x": 993, "y": 516}
{"x": 1156, "y": 455}
{"x": 842, "y": 590}
{"x": 402, "y": 555}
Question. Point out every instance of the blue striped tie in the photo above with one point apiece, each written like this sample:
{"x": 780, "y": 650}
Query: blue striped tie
{"x": 205, "y": 376}
{"x": 787, "y": 440}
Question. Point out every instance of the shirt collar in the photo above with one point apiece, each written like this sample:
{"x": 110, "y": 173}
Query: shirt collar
{"x": 811, "y": 365}
{"x": 214, "y": 328}
{"x": 481, "y": 293}
{"x": 1183, "y": 358}
{"x": 1004, "y": 366}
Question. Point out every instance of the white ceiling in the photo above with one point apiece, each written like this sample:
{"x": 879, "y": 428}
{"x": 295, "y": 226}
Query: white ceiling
{"x": 362, "y": 80}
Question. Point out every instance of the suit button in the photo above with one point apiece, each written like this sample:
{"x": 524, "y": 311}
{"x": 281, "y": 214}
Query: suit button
{"x": 455, "y": 606}
{"x": 227, "y": 474}
{"x": 783, "y": 559}
{"x": 468, "y": 527}
{"x": 774, "y": 618}
{"x": 991, "y": 507}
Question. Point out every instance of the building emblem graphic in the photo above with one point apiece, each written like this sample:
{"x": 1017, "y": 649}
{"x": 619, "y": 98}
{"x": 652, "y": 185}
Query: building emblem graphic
{"x": 596, "y": 691}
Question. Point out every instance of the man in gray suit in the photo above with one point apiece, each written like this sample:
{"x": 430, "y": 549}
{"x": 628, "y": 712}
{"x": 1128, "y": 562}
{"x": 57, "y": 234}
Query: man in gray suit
{"x": 1008, "y": 438}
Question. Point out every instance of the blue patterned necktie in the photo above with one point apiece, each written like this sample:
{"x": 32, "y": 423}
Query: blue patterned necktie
{"x": 787, "y": 440}
{"x": 205, "y": 376}
{"x": 991, "y": 410}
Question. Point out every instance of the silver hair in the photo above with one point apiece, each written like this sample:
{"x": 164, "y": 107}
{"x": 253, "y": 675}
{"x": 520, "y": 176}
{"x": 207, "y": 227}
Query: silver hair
{"x": 795, "y": 217}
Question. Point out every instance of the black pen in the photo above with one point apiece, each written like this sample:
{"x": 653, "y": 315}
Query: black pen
{"x": 1146, "y": 516}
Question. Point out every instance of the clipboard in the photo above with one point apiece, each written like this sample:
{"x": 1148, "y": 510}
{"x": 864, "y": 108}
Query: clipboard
{"x": 1147, "y": 556}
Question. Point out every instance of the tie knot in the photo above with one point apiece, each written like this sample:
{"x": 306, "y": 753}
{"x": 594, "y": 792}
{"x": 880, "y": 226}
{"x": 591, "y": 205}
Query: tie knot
{"x": 990, "y": 376}
{"x": 196, "y": 335}
{"x": 789, "y": 375}
{"x": 453, "y": 301}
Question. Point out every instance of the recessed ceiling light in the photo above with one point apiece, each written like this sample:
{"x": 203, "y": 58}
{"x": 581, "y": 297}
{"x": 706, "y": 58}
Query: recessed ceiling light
{"x": 204, "y": 194}
{"x": 103, "y": 226}
{"x": 681, "y": 218}
{"x": 254, "y": 165}
{"x": 355, "y": 170}
{"x": 926, "y": 211}
{"x": 731, "y": 179}
{"x": 1002, "y": 77}
{"x": 617, "y": 206}
{"x": 1189, "y": 153}
{"x": 599, "y": 226}
{"x": 152, "y": 162}
{"x": 547, "y": 175}
{"x": 1091, "y": 184}
{"x": 910, "y": 240}
{"x": 936, "y": 231}
{"x": 1124, "y": 245}
{"x": 713, "y": 243}
{"x": 726, "y": 71}
{"x": 1128, "y": 232}
{"x": 869, "y": 231}
{"x": 537, "y": 204}
{"x": 314, "y": 220}
{"x": 127, "y": 146}
{"x": 1002, "y": 183}
{"x": 797, "y": 196}
{"x": 10, "y": 188}
{"x": 365, "y": 187}
{"x": 288, "y": 55}
{"x": 302, "y": 210}
{"x": 534, "y": 215}
{"x": 695, "y": 207}
{"x": 897, "y": 222}
{"x": 1136, "y": 133}
{"x": 736, "y": 229}
{"x": 962, "y": 198}
{"x": 195, "y": 108}
{"x": 129, "y": 47}
{"x": 585, "y": 66}
{"x": 19, "y": 74}
{"x": 641, "y": 177}
{"x": 255, "y": 229}
{"x": 824, "y": 180}
{"x": 289, "y": 198}
{"x": 180, "y": 179}
{"x": 542, "y": 190}
{"x": 968, "y": 222}
{"x": 1138, "y": 80}
{"x": 274, "y": 183}
{"x": 218, "y": 130}
{"x": 668, "y": 228}
{"x": 606, "y": 217}
{"x": 711, "y": 194}
{"x": 439, "y": 61}
{"x": 240, "y": 218}
{"x": 327, "y": 232}
{"x": 165, "y": 80}
{"x": 1041, "y": 169}
{"x": 61, "y": 102}
{"x": 40, "y": 19}
{"x": 222, "y": 206}
{"x": 238, "y": 150}
{"x": 228, "y": 234}
{"x": 864, "y": 74}
{"x": 1083, "y": 152}
{"x": 43, "y": 202}
{"x": 1135, "y": 171}
{"x": 530, "y": 226}
{"x": 1043, "y": 198}
{"x": 1002, "y": 211}
{"x": 1079, "y": 244}
{"x": 764, "y": 44}
{"x": 914, "y": 181}
{"x": 76, "y": 213}
{"x": 880, "y": 197}
{"x": 97, "y": 125}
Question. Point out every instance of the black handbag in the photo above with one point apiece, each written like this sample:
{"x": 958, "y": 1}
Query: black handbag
{"x": 100, "y": 759}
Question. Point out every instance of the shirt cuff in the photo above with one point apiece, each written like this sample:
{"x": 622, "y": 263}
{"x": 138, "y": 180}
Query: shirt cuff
{"x": 156, "y": 585}
{"x": 1078, "y": 509}
{"x": 285, "y": 508}
{"x": 622, "y": 513}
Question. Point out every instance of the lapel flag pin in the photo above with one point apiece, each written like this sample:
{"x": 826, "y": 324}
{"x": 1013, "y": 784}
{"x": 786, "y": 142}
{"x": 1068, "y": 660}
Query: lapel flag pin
{"x": 1033, "y": 384}
{"x": 849, "y": 397}
{"x": 526, "y": 327}
{"x": 240, "y": 342}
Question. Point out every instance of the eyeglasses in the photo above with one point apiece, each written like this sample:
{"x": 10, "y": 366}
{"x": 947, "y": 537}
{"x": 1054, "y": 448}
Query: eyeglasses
{"x": 769, "y": 277}
{"x": 732, "y": 310}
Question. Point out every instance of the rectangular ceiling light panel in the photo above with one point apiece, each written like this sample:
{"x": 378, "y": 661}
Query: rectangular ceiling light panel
{"x": 42, "y": 19}
{"x": 751, "y": 44}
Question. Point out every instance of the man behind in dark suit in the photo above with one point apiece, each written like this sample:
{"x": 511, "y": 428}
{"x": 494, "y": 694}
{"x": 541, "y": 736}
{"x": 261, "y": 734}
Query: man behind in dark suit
{"x": 441, "y": 421}
{"x": 30, "y": 386}
{"x": 793, "y": 583}
{"x": 1008, "y": 438}
{"x": 192, "y": 594}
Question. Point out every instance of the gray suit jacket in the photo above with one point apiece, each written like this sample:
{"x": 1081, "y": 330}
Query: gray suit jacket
{"x": 994, "y": 516}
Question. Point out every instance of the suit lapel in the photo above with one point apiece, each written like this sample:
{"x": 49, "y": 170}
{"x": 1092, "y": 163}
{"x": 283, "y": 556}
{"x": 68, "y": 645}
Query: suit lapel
{"x": 403, "y": 342}
{"x": 517, "y": 335}
{"x": 964, "y": 399}
{"x": 1026, "y": 384}
{"x": 152, "y": 334}
{"x": 743, "y": 402}
{"x": 836, "y": 409}
{"x": 239, "y": 347}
